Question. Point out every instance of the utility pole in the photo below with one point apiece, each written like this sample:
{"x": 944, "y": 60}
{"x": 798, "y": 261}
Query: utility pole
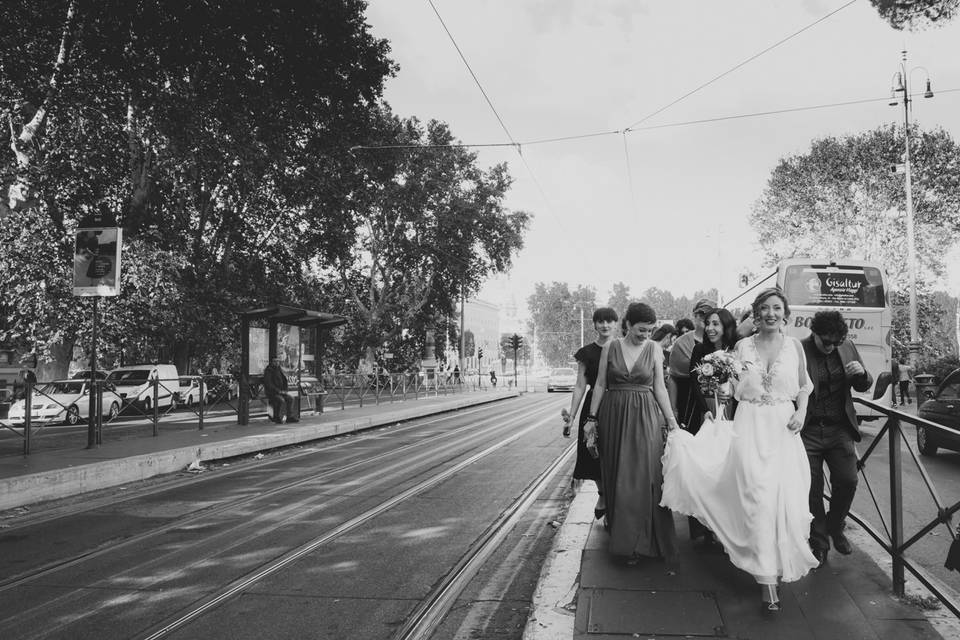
{"x": 902, "y": 84}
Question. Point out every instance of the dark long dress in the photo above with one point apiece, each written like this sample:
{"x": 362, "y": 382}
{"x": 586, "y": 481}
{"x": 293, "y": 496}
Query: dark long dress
{"x": 631, "y": 444}
{"x": 587, "y": 467}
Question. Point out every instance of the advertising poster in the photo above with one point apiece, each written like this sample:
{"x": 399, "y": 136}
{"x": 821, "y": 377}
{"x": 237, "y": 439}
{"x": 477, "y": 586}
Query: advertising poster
{"x": 96, "y": 261}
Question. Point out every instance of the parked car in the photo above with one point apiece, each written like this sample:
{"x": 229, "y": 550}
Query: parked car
{"x": 221, "y": 388}
{"x": 943, "y": 408}
{"x": 561, "y": 379}
{"x": 134, "y": 383}
{"x": 66, "y": 401}
{"x": 86, "y": 374}
{"x": 188, "y": 392}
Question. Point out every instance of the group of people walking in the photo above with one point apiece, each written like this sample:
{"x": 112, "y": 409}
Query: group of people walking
{"x": 745, "y": 464}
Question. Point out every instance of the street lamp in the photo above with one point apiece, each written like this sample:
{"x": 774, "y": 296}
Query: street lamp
{"x": 901, "y": 84}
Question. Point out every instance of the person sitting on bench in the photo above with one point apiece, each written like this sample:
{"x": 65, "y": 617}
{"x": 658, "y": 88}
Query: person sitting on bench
{"x": 275, "y": 387}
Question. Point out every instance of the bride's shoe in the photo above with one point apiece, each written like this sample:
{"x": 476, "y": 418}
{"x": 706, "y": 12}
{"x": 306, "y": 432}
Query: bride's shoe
{"x": 770, "y": 599}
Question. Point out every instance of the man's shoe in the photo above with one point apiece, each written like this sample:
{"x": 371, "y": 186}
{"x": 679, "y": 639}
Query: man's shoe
{"x": 821, "y": 556}
{"x": 841, "y": 544}
{"x": 293, "y": 420}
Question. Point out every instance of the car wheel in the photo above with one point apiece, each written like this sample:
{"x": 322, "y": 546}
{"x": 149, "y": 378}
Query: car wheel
{"x": 924, "y": 443}
{"x": 73, "y": 415}
{"x": 114, "y": 411}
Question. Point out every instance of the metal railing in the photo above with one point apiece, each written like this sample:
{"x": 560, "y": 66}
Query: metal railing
{"x": 102, "y": 404}
{"x": 893, "y": 538}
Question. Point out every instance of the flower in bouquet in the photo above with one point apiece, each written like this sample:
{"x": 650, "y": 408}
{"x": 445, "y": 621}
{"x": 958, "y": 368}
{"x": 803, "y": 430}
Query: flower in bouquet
{"x": 717, "y": 368}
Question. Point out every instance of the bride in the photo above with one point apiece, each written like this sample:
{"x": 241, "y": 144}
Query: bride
{"x": 749, "y": 480}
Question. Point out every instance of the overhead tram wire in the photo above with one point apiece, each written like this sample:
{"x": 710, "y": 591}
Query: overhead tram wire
{"x": 737, "y": 66}
{"x": 586, "y": 263}
{"x": 739, "y": 116}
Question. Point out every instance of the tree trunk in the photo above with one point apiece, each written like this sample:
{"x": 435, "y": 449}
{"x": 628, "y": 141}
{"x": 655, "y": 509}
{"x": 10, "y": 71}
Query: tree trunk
{"x": 62, "y": 353}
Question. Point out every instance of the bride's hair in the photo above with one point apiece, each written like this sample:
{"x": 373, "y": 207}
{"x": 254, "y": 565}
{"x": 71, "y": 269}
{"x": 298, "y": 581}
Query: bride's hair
{"x": 769, "y": 293}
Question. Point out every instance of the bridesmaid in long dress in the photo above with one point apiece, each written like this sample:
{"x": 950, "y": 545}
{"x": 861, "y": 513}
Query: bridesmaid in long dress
{"x": 749, "y": 483}
{"x": 625, "y": 412}
{"x": 588, "y": 361}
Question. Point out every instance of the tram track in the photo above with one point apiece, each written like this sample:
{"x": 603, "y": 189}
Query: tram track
{"x": 437, "y": 451}
{"x": 225, "y": 507}
{"x": 438, "y": 602}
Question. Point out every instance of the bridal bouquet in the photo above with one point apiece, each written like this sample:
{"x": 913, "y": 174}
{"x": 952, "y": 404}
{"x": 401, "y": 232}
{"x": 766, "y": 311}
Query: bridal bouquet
{"x": 716, "y": 370}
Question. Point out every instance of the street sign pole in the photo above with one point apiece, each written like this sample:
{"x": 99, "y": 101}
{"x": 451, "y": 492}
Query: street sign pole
{"x": 93, "y": 438}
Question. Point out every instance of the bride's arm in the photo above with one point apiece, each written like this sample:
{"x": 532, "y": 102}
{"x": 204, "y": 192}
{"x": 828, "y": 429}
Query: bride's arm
{"x": 803, "y": 395}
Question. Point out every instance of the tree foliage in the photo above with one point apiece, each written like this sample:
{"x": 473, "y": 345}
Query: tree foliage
{"x": 555, "y": 319}
{"x": 911, "y": 14}
{"x": 430, "y": 225}
{"x": 220, "y": 134}
{"x": 842, "y": 200}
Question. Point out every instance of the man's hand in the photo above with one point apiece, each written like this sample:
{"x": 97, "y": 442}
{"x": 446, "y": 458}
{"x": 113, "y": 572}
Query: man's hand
{"x": 796, "y": 422}
{"x": 853, "y": 368}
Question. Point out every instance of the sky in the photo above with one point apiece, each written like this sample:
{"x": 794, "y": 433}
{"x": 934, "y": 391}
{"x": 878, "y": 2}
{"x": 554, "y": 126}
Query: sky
{"x": 665, "y": 204}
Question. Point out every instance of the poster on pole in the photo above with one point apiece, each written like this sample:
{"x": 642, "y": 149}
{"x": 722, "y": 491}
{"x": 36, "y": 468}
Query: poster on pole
{"x": 96, "y": 261}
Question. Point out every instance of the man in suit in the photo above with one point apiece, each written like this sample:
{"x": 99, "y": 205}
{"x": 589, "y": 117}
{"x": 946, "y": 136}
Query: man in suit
{"x": 830, "y": 431}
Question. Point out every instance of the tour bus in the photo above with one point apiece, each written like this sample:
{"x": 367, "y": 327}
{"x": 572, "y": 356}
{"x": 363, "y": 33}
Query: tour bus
{"x": 855, "y": 288}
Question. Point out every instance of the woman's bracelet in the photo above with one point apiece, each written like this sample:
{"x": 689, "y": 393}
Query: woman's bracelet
{"x": 591, "y": 418}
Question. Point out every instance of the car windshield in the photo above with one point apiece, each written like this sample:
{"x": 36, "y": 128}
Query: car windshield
{"x": 121, "y": 378}
{"x": 563, "y": 372}
{"x": 65, "y": 386}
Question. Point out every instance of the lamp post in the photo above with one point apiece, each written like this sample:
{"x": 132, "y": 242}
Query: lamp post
{"x": 901, "y": 84}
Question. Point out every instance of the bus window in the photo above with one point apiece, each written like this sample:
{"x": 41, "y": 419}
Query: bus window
{"x": 834, "y": 286}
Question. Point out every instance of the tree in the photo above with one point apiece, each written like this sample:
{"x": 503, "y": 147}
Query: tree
{"x": 555, "y": 319}
{"x": 916, "y": 13}
{"x": 620, "y": 298}
{"x": 217, "y": 131}
{"x": 841, "y": 200}
{"x": 430, "y": 225}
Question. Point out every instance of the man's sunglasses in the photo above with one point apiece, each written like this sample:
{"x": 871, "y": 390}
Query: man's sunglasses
{"x": 832, "y": 343}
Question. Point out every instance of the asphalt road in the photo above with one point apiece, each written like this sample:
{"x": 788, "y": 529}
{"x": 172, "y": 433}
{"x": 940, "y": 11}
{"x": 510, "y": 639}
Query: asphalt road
{"x": 341, "y": 539}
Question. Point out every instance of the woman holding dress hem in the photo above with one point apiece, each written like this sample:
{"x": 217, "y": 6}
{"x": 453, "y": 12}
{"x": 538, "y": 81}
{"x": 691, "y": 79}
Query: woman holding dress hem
{"x": 625, "y": 418}
{"x": 749, "y": 481}
{"x": 587, "y": 467}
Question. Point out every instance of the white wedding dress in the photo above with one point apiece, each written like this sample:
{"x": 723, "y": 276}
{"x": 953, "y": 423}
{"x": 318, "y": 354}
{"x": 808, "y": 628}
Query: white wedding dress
{"x": 748, "y": 480}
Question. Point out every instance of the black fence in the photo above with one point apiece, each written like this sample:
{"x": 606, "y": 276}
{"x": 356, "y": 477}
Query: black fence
{"x": 891, "y": 534}
{"x": 102, "y": 405}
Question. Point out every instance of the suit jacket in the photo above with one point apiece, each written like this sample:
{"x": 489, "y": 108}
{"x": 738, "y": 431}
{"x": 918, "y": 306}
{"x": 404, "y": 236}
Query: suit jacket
{"x": 848, "y": 353}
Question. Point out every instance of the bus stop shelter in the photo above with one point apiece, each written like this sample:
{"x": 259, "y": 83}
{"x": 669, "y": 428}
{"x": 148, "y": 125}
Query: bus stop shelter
{"x": 273, "y": 317}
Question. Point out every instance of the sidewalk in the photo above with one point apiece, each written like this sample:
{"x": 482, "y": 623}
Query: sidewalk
{"x": 62, "y": 473}
{"x": 585, "y": 593}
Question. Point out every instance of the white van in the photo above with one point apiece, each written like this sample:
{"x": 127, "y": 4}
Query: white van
{"x": 134, "y": 383}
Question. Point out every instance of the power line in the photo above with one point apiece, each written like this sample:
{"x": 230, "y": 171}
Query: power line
{"x": 472, "y": 74}
{"x": 735, "y": 67}
{"x": 587, "y": 264}
{"x": 739, "y": 116}
{"x": 758, "y": 114}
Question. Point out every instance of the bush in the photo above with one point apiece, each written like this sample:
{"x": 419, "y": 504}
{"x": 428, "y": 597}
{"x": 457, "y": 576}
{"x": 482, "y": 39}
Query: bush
{"x": 940, "y": 368}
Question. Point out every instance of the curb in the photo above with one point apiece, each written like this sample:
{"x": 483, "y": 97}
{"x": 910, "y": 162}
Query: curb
{"x": 70, "y": 481}
{"x": 554, "y": 608}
